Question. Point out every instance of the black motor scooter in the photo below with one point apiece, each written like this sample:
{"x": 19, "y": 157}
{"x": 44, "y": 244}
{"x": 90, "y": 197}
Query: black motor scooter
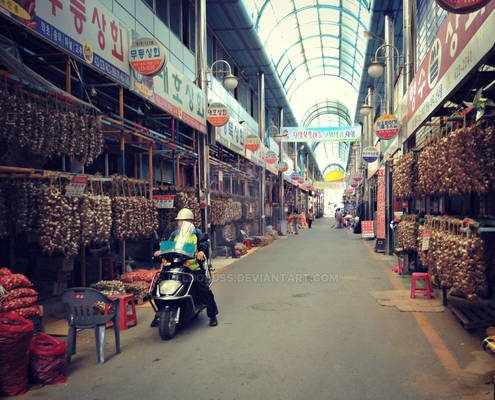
{"x": 171, "y": 292}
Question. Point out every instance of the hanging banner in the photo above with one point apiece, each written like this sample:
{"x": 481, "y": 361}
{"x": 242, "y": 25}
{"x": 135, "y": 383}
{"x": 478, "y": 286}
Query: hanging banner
{"x": 337, "y": 134}
{"x": 174, "y": 93}
{"x": 147, "y": 56}
{"x": 463, "y": 40}
{"x": 320, "y": 185}
{"x": 380, "y": 212}
{"x": 387, "y": 126}
{"x": 85, "y": 29}
{"x": 462, "y": 6}
{"x": 218, "y": 114}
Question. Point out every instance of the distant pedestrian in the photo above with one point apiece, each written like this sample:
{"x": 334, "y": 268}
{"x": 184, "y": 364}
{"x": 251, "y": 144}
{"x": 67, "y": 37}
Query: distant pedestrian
{"x": 310, "y": 217}
{"x": 294, "y": 223}
{"x": 338, "y": 218}
{"x": 290, "y": 227}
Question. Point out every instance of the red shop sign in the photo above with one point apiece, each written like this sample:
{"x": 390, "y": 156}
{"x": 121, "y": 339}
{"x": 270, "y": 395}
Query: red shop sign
{"x": 462, "y": 6}
{"x": 380, "y": 215}
{"x": 252, "y": 142}
{"x": 462, "y": 41}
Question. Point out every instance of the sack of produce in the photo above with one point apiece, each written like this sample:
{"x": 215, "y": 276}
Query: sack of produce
{"x": 15, "y": 337}
{"x": 47, "y": 359}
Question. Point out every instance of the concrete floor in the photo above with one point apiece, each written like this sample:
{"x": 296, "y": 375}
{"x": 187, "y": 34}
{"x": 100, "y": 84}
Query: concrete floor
{"x": 296, "y": 321}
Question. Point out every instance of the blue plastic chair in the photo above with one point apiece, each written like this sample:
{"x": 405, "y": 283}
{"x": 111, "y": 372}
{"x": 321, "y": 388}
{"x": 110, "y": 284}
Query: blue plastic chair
{"x": 79, "y": 303}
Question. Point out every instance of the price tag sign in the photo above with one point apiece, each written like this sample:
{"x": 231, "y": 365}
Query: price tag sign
{"x": 367, "y": 230}
{"x": 426, "y": 240}
{"x": 77, "y": 186}
{"x": 164, "y": 201}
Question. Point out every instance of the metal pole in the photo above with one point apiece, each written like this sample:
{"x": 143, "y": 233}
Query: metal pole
{"x": 389, "y": 100}
{"x": 389, "y": 67}
{"x": 370, "y": 142}
{"x": 409, "y": 23}
{"x": 281, "y": 174}
{"x": 261, "y": 131}
{"x": 201, "y": 81}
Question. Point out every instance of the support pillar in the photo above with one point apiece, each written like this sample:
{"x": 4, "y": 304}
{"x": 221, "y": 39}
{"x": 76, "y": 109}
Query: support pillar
{"x": 203, "y": 146}
{"x": 281, "y": 193}
{"x": 261, "y": 131}
{"x": 389, "y": 101}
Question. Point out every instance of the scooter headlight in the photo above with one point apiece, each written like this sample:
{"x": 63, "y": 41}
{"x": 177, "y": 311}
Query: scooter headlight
{"x": 169, "y": 287}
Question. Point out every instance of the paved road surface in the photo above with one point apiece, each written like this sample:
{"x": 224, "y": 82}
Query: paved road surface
{"x": 296, "y": 322}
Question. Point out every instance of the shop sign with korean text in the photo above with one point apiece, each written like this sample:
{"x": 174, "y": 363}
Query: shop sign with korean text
{"x": 164, "y": 201}
{"x": 77, "y": 185}
{"x": 367, "y": 230}
{"x": 380, "y": 214}
{"x": 426, "y": 240}
{"x": 147, "y": 56}
{"x": 257, "y": 156}
{"x": 174, "y": 93}
{"x": 272, "y": 168}
{"x": 320, "y": 185}
{"x": 463, "y": 40}
{"x": 462, "y": 6}
{"x": 387, "y": 126}
{"x": 83, "y": 28}
{"x": 370, "y": 154}
{"x": 253, "y": 142}
{"x": 218, "y": 114}
{"x": 330, "y": 134}
{"x": 233, "y": 136}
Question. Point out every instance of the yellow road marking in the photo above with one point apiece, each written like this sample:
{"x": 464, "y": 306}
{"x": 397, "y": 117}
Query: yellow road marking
{"x": 441, "y": 350}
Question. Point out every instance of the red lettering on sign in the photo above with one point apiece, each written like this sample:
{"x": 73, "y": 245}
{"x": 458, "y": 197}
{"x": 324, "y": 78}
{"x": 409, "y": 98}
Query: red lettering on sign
{"x": 55, "y": 4}
{"x": 117, "y": 36}
{"x": 79, "y": 11}
{"x": 101, "y": 27}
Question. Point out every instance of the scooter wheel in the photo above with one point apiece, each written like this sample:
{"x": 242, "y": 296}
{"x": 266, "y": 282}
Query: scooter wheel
{"x": 167, "y": 326}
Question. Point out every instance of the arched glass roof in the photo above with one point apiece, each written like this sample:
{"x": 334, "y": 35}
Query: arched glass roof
{"x": 317, "y": 48}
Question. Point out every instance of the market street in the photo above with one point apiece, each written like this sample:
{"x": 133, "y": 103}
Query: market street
{"x": 296, "y": 321}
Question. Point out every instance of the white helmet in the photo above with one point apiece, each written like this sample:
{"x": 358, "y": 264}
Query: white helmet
{"x": 185, "y": 214}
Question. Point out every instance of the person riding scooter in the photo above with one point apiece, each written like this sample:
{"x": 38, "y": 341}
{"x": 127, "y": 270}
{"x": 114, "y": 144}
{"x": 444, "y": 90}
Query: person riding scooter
{"x": 204, "y": 293}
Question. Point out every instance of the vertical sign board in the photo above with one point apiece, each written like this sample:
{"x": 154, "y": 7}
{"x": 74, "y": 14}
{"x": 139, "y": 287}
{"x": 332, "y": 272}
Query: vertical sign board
{"x": 380, "y": 216}
{"x": 463, "y": 40}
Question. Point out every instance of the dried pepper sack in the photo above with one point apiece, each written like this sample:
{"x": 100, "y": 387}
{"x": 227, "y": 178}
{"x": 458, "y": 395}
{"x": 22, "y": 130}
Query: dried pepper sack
{"x": 15, "y": 337}
{"x": 20, "y": 302}
{"x": 47, "y": 359}
{"x": 14, "y": 281}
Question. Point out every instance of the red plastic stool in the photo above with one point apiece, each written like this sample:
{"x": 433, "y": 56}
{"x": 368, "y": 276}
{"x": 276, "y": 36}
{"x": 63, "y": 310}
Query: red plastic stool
{"x": 108, "y": 268}
{"x": 124, "y": 318}
{"x": 420, "y": 275}
{"x": 247, "y": 243}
